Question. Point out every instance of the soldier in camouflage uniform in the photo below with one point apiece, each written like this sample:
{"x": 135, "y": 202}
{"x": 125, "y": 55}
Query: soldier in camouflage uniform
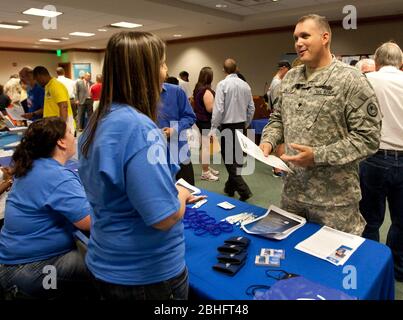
{"x": 327, "y": 115}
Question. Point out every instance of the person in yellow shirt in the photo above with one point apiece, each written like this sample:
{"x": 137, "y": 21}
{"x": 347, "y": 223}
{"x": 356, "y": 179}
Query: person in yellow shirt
{"x": 57, "y": 100}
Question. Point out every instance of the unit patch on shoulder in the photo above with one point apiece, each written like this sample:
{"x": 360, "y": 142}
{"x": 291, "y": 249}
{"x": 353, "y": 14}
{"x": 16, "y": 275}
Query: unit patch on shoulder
{"x": 372, "y": 109}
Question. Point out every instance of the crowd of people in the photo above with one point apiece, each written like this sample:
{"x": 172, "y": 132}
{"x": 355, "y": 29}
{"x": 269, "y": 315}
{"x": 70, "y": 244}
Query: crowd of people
{"x": 41, "y": 95}
{"x": 338, "y": 127}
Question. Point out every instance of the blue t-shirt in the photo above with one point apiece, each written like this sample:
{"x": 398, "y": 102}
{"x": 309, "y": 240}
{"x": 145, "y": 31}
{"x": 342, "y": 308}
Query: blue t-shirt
{"x": 40, "y": 210}
{"x": 130, "y": 192}
{"x": 35, "y": 100}
{"x": 176, "y": 112}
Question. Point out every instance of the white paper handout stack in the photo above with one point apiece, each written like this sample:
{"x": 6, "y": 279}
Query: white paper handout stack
{"x": 249, "y": 147}
{"x": 10, "y": 125}
{"x": 16, "y": 112}
{"x": 331, "y": 245}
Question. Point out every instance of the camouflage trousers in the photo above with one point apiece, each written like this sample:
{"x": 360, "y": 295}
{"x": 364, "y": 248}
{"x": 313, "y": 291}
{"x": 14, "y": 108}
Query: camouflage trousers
{"x": 344, "y": 218}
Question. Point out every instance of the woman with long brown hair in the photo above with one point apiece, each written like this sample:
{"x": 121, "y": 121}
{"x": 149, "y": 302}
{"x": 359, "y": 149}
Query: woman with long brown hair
{"x": 203, "y": 106}
{"x": 136, "y": 249}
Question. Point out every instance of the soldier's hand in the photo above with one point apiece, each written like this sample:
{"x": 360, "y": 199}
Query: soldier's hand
{"x": 266, "y": 148}
{"x": 304, "y": 158}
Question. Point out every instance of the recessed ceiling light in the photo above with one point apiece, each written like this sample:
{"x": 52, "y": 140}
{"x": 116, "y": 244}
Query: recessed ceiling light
{"x": 23, "y": 21}
{"x": 102, "y": 30}
{"x": 42, "y": 13}
{"x": 177, "y": 35}
{"x": 64, "y": 38}
{"x": 49, "y": 40}
{"x": 93, "y": 47}
{"x": 221, "y": 5}
{"x": 123, "y": 24}
{"x": 274, "y": 0}
{"x": 82, "y": 34}
{"x": 9, "y": 26}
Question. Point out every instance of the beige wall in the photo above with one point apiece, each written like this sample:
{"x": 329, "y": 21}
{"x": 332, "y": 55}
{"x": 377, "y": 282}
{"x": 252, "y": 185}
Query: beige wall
{"x": 48, "y": 60}
{"x": 85, "y": 57}
{"x": 22, "y": 59}
{"x": 257, "y": 55}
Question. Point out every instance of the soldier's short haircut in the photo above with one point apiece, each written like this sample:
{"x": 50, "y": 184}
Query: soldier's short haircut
{"x": 230, "y": 66}
{"x": 389, "y": 54}
{"x": 320, "y": 21}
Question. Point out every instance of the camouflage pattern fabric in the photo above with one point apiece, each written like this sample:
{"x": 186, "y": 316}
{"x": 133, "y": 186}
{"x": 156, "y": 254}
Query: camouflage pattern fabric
{"x": 344, "y": 218}
{"x": 337, "y": 114}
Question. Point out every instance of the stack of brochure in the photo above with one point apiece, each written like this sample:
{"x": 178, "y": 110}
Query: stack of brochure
{"x": 331, "y": 245}
{"x": 15, "y": 112}
{"x": 274, "y": 224}
{"x": 10, "y": 124}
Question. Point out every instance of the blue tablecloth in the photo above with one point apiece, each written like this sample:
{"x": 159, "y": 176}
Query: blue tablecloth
{"x": 373, "y": 261}
{"x": 7, "y": 138}
{"x": 258, "y": 125}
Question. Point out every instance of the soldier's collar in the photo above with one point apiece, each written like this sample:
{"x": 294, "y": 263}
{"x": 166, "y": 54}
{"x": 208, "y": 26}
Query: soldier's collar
{"x": 317, "y": 80}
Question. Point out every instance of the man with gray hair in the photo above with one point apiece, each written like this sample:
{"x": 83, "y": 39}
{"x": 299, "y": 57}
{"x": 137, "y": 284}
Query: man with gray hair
{"x": 83, "y": 99}
{"x": 381, "y": 175}
{"x": 327, "y": 116}
{"x": 35, "y": 94}
{"x": 366, "y": 65}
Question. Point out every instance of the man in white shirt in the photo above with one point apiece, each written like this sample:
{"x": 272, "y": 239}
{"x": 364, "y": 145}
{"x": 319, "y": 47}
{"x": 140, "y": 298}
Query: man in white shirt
{"x": 272, "y": 93}
{"x": 233, "y": 110}
{"x": 184, "y": 83}
{"x": 381, "y": 175}
{"x": 71, "y": 88}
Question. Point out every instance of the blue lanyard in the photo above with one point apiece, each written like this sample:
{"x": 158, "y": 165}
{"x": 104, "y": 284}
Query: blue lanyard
{"x": 202, "y": 223}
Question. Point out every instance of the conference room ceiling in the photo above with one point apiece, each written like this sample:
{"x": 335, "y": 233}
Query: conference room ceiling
{"x": 170, "y": 19}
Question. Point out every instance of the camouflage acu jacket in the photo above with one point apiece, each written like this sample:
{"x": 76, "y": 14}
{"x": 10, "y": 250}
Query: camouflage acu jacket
{"x": 337, "y": 114}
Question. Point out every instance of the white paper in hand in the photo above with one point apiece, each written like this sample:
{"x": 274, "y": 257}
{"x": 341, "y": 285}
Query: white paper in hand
{"x": 183, "y": 183}
{"x": 249, "y": 147}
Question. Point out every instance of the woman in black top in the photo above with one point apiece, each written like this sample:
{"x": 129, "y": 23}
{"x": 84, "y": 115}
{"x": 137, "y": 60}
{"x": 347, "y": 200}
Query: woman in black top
{"x": 203, "y": 108}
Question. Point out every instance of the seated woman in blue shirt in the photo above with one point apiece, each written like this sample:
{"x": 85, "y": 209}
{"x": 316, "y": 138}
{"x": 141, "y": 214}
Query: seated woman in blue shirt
{"x": 136, "y": 249}
{"x": 46, "y": 202}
